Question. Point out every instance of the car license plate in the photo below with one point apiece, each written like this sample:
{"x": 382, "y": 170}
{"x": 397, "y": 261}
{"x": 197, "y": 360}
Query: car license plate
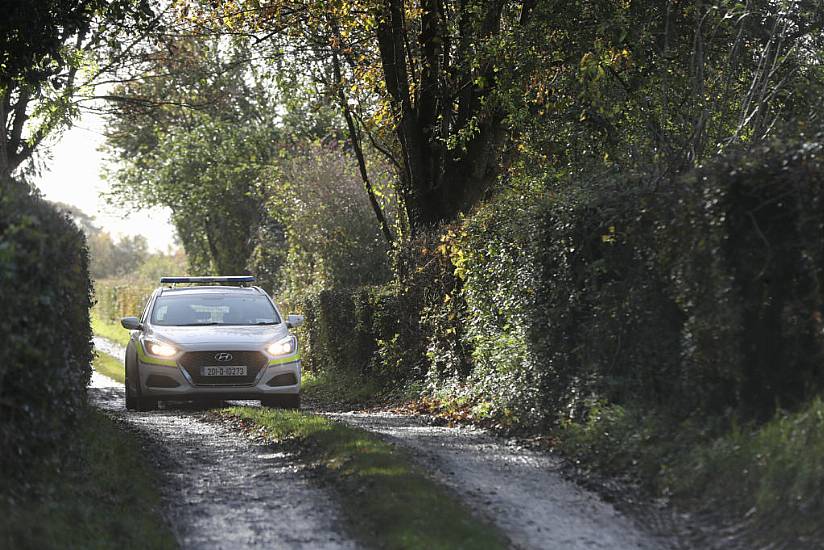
{"x": 223, "y": 371}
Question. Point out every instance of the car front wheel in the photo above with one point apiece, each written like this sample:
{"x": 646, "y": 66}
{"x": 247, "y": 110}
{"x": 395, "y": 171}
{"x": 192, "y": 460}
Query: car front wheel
{"x": 134, "y": 398}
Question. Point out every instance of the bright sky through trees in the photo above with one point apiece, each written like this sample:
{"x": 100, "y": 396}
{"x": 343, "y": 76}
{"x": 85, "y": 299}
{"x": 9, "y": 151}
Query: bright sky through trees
{"x": 73, "y": 177}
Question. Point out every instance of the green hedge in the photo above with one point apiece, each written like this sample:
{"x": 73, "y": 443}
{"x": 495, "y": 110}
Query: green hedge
{"x": 364, "y": 331}
{"x": 46, "y": 343}
{"x": 118, "y": 298}
{"x": 701, "y": 296}
{"x": 695, "y": 297}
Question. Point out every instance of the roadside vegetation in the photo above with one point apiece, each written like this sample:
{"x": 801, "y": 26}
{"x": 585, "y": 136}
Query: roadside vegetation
{"x": 388, "y": 501}
{"x": 110, "y": 366}
{"x": 599, "y": 222}
{"x": 100, "y": 493}
{"x": 45, "y": 295}
{"x": 109, "y": 329}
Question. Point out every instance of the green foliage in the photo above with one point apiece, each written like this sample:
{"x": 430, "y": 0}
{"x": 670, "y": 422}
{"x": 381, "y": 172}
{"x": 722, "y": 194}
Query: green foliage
{"x": 157, "y": 265}
{"x": 194, "y": 136}
{"x": 698, "y": 297}
{"x": 117, "y": 298}
{"x": 109, "y": 328}
{"x": 655, "y": 87}
{"x": 47, "y": 50}
{"x": 370, "y": 332}
{"x": 127, "y": 256}
{"x": 115, "y": 259}
{"x": 768, "y": 478}
{"x": 772, "y": 474}
{"x": 333, "y": 237}
{"x": 45, "y": 295}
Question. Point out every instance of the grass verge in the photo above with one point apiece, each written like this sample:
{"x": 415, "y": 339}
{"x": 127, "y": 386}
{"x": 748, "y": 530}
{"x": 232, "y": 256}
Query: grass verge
{"x": 109, "y": 330}
{"x": 768, "y": 478}
{"x": 338, "y": 388}
{"x": 766, "y": 481}
{"x": 110, "y": 366}
{"x": 387, "y": 500}
{"x": 100, "y": 494}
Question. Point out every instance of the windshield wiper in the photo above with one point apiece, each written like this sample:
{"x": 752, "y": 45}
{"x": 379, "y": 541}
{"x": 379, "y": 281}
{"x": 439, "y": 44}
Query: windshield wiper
{"x": 266, "y": 323}
{"x": 199, "y": 324}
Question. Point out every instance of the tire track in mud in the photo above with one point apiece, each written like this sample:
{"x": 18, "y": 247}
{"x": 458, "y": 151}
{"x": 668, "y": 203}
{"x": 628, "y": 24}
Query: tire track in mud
{"x": 221, "y": 490}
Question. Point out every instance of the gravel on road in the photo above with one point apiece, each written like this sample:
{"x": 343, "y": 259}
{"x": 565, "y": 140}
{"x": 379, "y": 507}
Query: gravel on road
{"x": 220, "y": 489}
{"x": 224, "y": 491}
{"x": 522, "y": 491}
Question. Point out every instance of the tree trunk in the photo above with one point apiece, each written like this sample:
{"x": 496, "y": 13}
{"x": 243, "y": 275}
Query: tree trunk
{"x": 437, "y": 182}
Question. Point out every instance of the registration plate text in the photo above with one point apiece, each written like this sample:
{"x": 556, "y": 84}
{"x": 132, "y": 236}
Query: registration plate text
{"x": 223, "y": 371}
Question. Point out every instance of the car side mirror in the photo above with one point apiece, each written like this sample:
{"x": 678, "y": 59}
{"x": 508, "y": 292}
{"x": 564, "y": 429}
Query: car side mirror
{"x": 131, "y": 323}
{"x": 294, "y": 321}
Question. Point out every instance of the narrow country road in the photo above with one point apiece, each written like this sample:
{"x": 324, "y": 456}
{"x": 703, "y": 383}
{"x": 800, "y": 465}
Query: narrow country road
{"x": 221, "y": 490}
{"x": 522, "y": 491}
{"x": 224, "y": 491}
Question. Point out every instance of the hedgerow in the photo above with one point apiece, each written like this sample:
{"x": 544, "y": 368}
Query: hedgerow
{"x": 45, "y": 297}
{"x": 696, "y": 297}
{"x": 117, "y": 298}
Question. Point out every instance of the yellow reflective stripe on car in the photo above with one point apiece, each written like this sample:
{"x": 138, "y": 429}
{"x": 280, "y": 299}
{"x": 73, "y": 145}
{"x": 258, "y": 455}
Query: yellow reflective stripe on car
{"x": 284, "y": 360}
{"x": 144, "y": 358}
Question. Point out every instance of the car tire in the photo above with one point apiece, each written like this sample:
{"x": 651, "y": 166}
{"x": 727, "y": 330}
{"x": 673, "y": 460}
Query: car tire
{"x": 134, "y": 397}
{"x": 131, "y": 400}
{"x": 282, "y": 401}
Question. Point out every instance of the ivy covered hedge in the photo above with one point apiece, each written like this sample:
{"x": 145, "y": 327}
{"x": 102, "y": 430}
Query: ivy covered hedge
{"x": 695, "y": 297}
{"x": 45, "y": 297}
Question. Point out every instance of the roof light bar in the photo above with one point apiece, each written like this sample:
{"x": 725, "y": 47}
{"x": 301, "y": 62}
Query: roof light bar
{"x": 228, "y": 279}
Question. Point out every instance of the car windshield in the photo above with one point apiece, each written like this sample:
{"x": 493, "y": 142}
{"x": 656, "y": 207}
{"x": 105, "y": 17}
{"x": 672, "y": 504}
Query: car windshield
{"x": 201, "y": 309}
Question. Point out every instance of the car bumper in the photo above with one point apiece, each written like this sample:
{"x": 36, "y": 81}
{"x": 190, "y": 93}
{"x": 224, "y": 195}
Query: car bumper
{"x": 173, "y": 382}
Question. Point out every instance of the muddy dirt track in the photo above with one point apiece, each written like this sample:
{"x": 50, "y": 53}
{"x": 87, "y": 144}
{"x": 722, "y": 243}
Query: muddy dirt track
{"x": 222, "y": 490}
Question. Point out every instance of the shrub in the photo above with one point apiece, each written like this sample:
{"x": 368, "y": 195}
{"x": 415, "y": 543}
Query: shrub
{"x": 364, "y": 332}
{"x": 746, "y": 241}
{"x": 117, "y": 298}
{"x": 334, "y": 238}
{"x": 46, "y": 344}
{"x": 697, "y": 297}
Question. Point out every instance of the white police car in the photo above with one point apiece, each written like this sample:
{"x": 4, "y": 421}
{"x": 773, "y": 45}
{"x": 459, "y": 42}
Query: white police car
{"x": 220, "y": 339}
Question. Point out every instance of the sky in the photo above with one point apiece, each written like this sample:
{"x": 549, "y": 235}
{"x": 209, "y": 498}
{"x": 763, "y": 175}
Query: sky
{"x": 73, "y": 177}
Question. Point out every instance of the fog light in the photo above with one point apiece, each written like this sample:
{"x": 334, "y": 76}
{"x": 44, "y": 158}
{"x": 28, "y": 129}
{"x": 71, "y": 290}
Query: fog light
{"x": 285, "y": 379}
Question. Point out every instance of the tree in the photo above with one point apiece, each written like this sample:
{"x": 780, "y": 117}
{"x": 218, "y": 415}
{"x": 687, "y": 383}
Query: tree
{"x": 108, "y": 257}
{"x": 333, "y": 240}
{"x": 47, "y": 49}
{"x": 192, "y": 131}
{"x": 659, "y": 87}
{"x": 455, "y": 92}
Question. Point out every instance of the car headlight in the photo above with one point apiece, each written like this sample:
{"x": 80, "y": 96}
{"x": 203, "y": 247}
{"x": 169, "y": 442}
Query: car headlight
{"x": 159, "y": 349}
{"x": 286, "y": 346}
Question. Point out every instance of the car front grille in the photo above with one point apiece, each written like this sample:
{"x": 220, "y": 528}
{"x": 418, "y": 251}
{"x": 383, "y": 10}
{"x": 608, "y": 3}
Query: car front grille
{"x": 193, "y": 361}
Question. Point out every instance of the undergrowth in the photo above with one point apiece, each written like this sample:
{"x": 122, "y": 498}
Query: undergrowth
{"x": 770, "y": 477}
{"x": 99, "y": 494}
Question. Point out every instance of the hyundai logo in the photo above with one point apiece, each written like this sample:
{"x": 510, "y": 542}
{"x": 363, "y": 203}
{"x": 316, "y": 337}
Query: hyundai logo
{"x": 223, "y": 356}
